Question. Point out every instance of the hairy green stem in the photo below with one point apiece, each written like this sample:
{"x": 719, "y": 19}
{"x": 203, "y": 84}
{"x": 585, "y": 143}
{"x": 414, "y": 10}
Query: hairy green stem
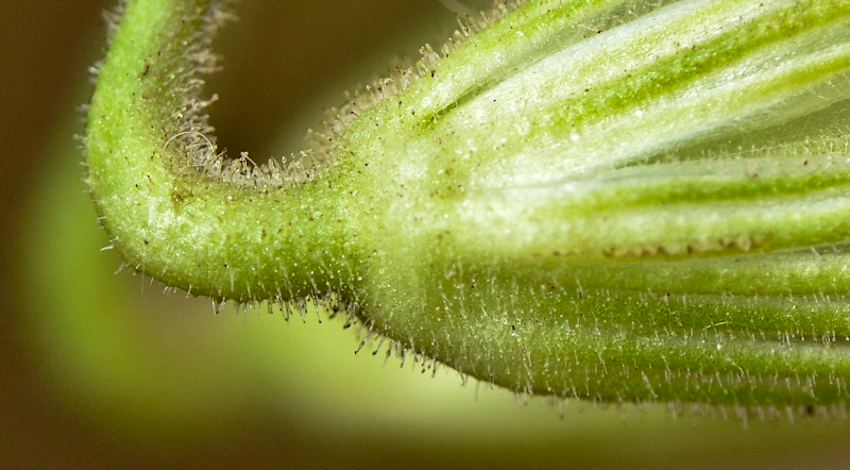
{"x": 614, "y": 200}
{"x": 165, "y": 215}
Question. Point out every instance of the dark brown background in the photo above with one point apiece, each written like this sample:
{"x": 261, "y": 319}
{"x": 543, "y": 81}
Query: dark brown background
{"x": 280, "y": 56}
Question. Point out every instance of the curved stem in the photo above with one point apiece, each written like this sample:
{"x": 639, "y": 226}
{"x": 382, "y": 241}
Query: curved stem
{"x": 149, "y": 160}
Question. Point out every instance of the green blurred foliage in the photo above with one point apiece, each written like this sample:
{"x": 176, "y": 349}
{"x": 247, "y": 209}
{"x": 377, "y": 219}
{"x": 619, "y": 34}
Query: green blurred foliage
{"x": 103, "y": 370}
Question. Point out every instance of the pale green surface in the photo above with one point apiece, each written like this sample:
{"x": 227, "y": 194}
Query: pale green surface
{"x": 164, "y": 372}
{"x": 156, "y": 373}
{"x": 478, "y": 216}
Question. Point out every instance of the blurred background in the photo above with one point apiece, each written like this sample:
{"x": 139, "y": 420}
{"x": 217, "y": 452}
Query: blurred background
{"x": 101, "y": 370}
